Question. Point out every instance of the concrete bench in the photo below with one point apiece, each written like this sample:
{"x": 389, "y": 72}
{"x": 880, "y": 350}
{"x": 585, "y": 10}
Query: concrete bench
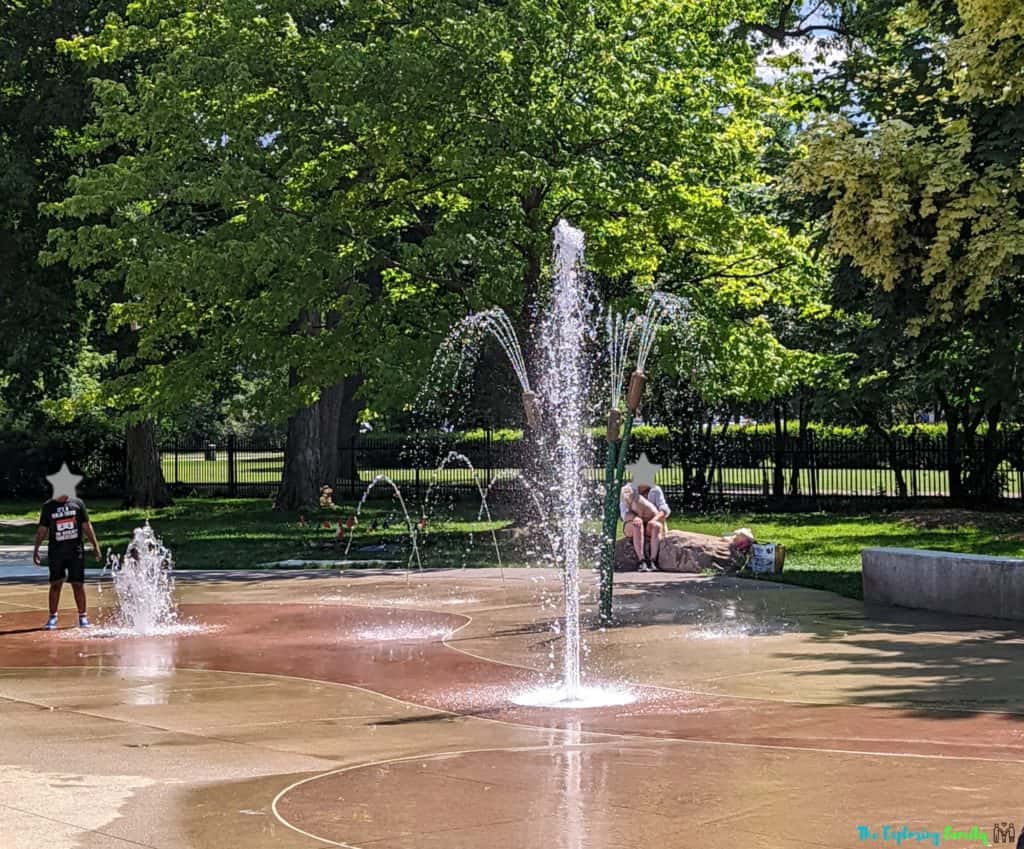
{"x": 966, "y": 584}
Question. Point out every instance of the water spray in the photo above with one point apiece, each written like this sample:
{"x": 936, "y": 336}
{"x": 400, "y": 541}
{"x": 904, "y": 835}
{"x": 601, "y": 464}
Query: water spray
{"x": 415, "y": 553}
{"x": 144, "y": 584}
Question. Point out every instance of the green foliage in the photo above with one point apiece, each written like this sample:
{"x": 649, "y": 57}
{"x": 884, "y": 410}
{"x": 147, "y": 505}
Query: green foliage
{"x": 44, "y": 103}
{"x": 915, "y": 170}
{"x": 501, "y": 434}
{"x": 923, "y": 189}
{"x": 320, "y": 190}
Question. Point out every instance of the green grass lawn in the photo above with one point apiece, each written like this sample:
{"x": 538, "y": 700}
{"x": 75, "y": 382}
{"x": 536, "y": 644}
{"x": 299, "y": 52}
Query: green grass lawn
{"x": 266, "y": 467}
{"x": 822, "y": 550}
{"x": 242, "y": 533}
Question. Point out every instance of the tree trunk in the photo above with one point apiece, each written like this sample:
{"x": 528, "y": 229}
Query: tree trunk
{"x": 988, "y": 486}
{"x": 897, "y": 468}
{"x": 954, "y": 459}
{"x": 799, "y": 458}
{"x": 301, "y": 478}
{"x": 892, "y": 450}
{"x": 329, "y": 410}
{"x": 527, "y": 342}
{"x": 329, "y": 407}
{"x": 144, "y": 477}
{"x": 533, "y": 467}
{"x": 533, "y": 262}
{"x": 348, "y": 431}
{"x": 709, "y": 459}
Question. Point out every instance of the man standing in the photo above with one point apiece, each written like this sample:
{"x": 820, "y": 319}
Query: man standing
{"x": 65, "y": 521}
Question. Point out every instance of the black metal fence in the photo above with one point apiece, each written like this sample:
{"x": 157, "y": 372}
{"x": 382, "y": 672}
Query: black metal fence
{"x": 239, "y": 466}
{"x": 736, "y": 468}
{"x": 235, "y": 466}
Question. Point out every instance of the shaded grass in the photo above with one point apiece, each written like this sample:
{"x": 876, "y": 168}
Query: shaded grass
{"x": 822, "y": 550}
{"x": 244, "y": 533}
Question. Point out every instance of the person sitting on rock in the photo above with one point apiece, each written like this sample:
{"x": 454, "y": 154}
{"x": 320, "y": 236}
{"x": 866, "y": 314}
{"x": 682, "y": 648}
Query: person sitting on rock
{"x": 643, "y": 509}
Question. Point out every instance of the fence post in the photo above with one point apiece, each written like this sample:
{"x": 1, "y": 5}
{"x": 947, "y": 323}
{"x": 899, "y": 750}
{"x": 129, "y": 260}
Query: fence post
{"x": 490, "y": 460}
{"x": 177, "y": 478}
{"x": 812, "y": 463}
{"x": 1020, "y": 477}
{"x": 418, "y": 464}
{"x": 353, "y": 469}
{"x": 914, "y": 461}
{"x": 232, "y": 471}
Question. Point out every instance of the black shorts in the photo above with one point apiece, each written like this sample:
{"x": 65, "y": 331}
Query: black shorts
{"x": 68, "y": 567}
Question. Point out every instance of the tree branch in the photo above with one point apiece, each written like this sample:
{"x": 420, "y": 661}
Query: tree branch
{"x": 720, "y": 273}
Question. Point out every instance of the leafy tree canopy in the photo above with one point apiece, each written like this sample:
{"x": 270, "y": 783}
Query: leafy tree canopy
{"x": 920, "y": 178}
{"x": 321, "y": 189}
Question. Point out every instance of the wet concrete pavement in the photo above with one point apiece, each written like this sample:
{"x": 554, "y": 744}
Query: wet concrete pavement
{"x": 375, "y": 710}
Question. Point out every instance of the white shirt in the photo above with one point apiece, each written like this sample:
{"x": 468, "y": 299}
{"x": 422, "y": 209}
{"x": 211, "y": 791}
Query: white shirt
{"x": 655, "y": 496}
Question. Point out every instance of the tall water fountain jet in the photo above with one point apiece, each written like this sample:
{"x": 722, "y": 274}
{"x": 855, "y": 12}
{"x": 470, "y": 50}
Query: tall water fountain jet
{"x": 562, "y": 393}
{"x": 144, "y": 585}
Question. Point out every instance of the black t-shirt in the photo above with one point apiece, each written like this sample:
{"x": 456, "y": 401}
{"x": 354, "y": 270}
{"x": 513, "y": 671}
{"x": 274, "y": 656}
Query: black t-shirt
{"x": 64, "y": 520}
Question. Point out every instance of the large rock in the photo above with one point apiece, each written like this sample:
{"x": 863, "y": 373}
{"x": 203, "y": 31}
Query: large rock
{"x": 683, "y": 551}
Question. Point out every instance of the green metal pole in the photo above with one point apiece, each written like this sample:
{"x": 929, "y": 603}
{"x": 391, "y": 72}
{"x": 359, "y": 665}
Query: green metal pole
{"x": 611, "y": 518}
{"x": 615, "y": 469}
{"x": 627, "y": 431}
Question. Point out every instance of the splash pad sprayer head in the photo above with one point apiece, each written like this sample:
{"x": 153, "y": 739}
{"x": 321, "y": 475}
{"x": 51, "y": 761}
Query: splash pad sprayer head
{"x": 531, "y": 409}
{"x": 614, "y": 433}
{"x": 636, "y": 391}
